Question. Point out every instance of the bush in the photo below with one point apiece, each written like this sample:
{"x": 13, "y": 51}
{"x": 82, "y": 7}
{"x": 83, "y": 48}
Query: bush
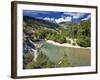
{"x": 61, "y": 40}
{"x": 57, "y": 37}
{"x": 84, "y": 42}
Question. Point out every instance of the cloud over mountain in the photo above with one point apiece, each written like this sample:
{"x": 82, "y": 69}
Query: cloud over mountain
{"x": 75, "y": 15}
{"x": 87, "y": 18}
{"x": 58, "y": 16}
{"x": 64, "y": 19}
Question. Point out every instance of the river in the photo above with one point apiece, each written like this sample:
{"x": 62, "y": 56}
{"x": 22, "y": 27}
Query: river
{"x": 76, "y": 56}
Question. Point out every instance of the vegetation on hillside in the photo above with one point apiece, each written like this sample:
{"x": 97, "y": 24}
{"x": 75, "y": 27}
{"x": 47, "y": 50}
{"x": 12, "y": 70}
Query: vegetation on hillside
{"x": 80, "y": 32}
{"x": 83, "y": 34}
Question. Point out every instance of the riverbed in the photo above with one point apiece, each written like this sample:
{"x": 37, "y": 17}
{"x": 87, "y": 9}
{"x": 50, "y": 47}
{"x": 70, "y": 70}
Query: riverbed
{"x": 76, "y": 56}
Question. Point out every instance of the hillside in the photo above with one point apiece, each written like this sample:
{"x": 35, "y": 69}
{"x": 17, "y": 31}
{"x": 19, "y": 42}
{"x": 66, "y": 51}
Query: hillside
{"x": 37, "y": 29}
{"x": 31, "y": 21}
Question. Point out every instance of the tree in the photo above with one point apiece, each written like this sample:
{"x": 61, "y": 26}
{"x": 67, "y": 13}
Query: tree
{"x": 84, "y": 41}
{"x": 83, "y": 34}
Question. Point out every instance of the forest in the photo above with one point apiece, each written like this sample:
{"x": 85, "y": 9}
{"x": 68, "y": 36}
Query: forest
{"x": 79, "y": 32}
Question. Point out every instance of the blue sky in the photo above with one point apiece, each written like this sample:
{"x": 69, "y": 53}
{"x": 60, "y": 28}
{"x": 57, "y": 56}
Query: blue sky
{"x": 58, "y": 16}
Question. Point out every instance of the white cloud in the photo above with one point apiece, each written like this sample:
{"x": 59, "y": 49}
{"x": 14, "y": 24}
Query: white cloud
{"x": 52, "y": 19}
{"x": 74, "y": 15}
{"x": 62, "y": 19}
{"x": 46, "y": 18}
{"x": 88, "y": 17}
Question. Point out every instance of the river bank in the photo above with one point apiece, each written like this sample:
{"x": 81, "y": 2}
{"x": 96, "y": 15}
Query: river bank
{"x": 65, "y": 44}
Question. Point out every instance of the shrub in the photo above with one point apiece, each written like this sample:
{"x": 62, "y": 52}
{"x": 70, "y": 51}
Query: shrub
{"x": 73, "y": 44}
{"x": 62, "y": 40}
{"x": 84, "y": 42}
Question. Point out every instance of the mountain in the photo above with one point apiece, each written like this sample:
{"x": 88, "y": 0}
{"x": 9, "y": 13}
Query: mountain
{"x": 32, "y": 21}
{"x": 35, "y": 23}
{"x": 67, "y": 24}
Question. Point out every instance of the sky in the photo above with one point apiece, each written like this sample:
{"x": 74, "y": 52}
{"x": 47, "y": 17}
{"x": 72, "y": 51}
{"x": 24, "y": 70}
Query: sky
{"x": 58, "y": 17}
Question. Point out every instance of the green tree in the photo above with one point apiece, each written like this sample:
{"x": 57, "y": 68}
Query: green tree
{"x": 83, "y": 34}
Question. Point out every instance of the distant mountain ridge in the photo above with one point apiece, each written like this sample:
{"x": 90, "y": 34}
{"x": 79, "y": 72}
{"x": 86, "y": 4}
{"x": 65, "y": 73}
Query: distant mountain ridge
{"x": 41, "y": 23}
{"x": 67, "y": 23}
{"x": 33, "y": 20}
